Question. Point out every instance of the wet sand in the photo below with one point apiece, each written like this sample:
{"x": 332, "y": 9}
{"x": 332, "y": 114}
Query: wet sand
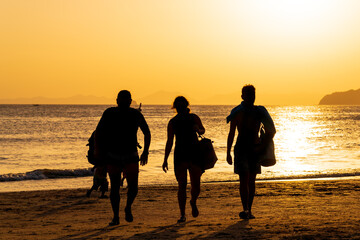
{"x": 316, "y": 209}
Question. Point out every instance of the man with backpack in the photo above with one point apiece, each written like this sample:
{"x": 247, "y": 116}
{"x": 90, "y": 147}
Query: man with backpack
{"x": 116, "y": 143}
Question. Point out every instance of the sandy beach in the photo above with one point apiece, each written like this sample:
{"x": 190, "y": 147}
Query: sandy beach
{"x": 315, "y": 209}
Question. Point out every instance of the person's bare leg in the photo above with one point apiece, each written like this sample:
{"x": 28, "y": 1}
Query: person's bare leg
{"x": 132, "y": 174}
{"x": 252, "y": 178}
{"x": 195, "y": 176}
{"x": 251, "y": 194}
{"x": 88, "y": 193}
{"x": 115, "y": 196}
{"x": 244, "y": 195}
{"x": 181, "y": 177}
{"x": 244, "y": 190}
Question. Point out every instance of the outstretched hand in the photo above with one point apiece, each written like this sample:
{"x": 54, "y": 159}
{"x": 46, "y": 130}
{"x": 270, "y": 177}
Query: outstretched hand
{"x": 144, "y": 158}
{"x": 165, "y": 167}
{"x": 229, "y": 159}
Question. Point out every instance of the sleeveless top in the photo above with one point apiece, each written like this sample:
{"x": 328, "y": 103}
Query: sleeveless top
{"x": 186, "y": 138}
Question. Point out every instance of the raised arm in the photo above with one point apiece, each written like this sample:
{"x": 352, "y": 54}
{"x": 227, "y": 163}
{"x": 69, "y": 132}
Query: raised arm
{"x": 168, "y": 147}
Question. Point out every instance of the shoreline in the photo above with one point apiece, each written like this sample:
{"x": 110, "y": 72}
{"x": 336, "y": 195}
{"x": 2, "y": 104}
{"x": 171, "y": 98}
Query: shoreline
{"x": 40, "y": 185}
{"x": 317, "y": 209}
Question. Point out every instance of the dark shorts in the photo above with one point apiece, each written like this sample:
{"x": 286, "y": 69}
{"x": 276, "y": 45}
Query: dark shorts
{"x": 246, "y": 161}
{"x": 121, "y": 159}
{"x": 128, "y": 169}
{"x": 126, "y": 164}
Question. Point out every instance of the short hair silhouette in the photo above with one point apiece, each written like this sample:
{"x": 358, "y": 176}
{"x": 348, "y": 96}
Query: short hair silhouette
{"x": 248, "y": 93}
{"x": 180, "y": 103}
{"x": 124, "y": 98}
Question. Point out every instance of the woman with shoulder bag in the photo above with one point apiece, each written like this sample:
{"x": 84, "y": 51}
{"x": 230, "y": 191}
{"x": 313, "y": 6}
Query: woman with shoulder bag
{"x": 185, "y": 126}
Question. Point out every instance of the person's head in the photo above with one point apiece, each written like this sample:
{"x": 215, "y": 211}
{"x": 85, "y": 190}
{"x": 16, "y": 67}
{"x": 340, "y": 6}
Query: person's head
{"x": 248, "y": 94}
{"x": 181, "y": 104}
{"x": 124, "y": 98}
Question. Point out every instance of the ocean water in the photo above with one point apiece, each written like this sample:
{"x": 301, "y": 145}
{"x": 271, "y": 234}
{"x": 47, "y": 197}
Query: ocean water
{"x": 44, "y": 147}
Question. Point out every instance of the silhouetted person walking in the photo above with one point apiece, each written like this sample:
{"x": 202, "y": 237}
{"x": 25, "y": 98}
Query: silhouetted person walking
{"x": 247, "y": 119}
{"x": 185, "y": 126}
{"x": 99, "y": 181}
{"x": 116, "y": 142}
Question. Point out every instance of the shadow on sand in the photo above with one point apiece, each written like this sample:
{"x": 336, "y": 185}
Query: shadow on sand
{"x": 239, "y": 230}
{"x": 90, "y": 234}
{"x": 163, "y": 232}
{"x": 234, "y": 231}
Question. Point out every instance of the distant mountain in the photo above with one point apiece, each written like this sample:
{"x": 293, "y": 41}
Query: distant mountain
{"x": 162, "y": 97}
{"x": 165, "y": 97}
{"x": 223, "y": 99}
{"x": 351, "y": 97}
{"x": 79, "y": 99}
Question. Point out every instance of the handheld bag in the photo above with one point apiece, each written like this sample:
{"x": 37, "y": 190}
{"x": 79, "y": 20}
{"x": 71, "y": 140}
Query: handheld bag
{"x": 267, "y": 156}
{"x": 207, "y": 153}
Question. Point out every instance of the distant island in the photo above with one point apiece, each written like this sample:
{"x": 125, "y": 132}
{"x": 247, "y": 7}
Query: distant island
{"x": 351, "y": 97}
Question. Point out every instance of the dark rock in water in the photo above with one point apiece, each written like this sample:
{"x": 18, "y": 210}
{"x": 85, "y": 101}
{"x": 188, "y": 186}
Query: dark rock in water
{"x": 351, "y": 97}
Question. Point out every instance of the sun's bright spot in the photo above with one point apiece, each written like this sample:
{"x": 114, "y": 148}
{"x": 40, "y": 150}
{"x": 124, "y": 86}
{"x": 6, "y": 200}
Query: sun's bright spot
{"x": 292, "y": 22}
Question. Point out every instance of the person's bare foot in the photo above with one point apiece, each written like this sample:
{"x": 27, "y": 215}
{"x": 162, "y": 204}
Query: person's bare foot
{"x": 88, "y": 193}
{"x": 181, "y": 219}
{"x": 114, "y": 222}
{"x": 195, "y": 211}
{"x": 244, "y": 214}
{"x": 128, "y": 215}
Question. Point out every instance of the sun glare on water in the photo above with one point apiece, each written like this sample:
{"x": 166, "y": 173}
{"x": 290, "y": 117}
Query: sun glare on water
{"x": 295, "y": 143}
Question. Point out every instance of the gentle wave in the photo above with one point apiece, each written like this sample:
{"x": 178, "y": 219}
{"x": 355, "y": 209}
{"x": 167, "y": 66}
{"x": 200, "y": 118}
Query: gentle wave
{"x": 46, "y": 174}
{"x": 85, "y": 172}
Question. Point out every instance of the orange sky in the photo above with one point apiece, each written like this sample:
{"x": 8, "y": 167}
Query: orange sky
{"x": 293, "y": 51}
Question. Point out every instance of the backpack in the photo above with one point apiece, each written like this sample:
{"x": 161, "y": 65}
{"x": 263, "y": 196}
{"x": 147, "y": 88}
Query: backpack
{"x": 90, "y": 154}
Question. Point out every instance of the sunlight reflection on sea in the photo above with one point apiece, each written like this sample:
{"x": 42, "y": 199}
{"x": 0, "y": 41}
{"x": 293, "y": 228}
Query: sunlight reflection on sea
{"x": 310, "y": 140}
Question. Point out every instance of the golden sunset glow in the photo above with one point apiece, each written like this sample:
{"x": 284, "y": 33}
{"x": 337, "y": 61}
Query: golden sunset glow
{"x": 293, "y": 51}
{"x": 295, "y": 135}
